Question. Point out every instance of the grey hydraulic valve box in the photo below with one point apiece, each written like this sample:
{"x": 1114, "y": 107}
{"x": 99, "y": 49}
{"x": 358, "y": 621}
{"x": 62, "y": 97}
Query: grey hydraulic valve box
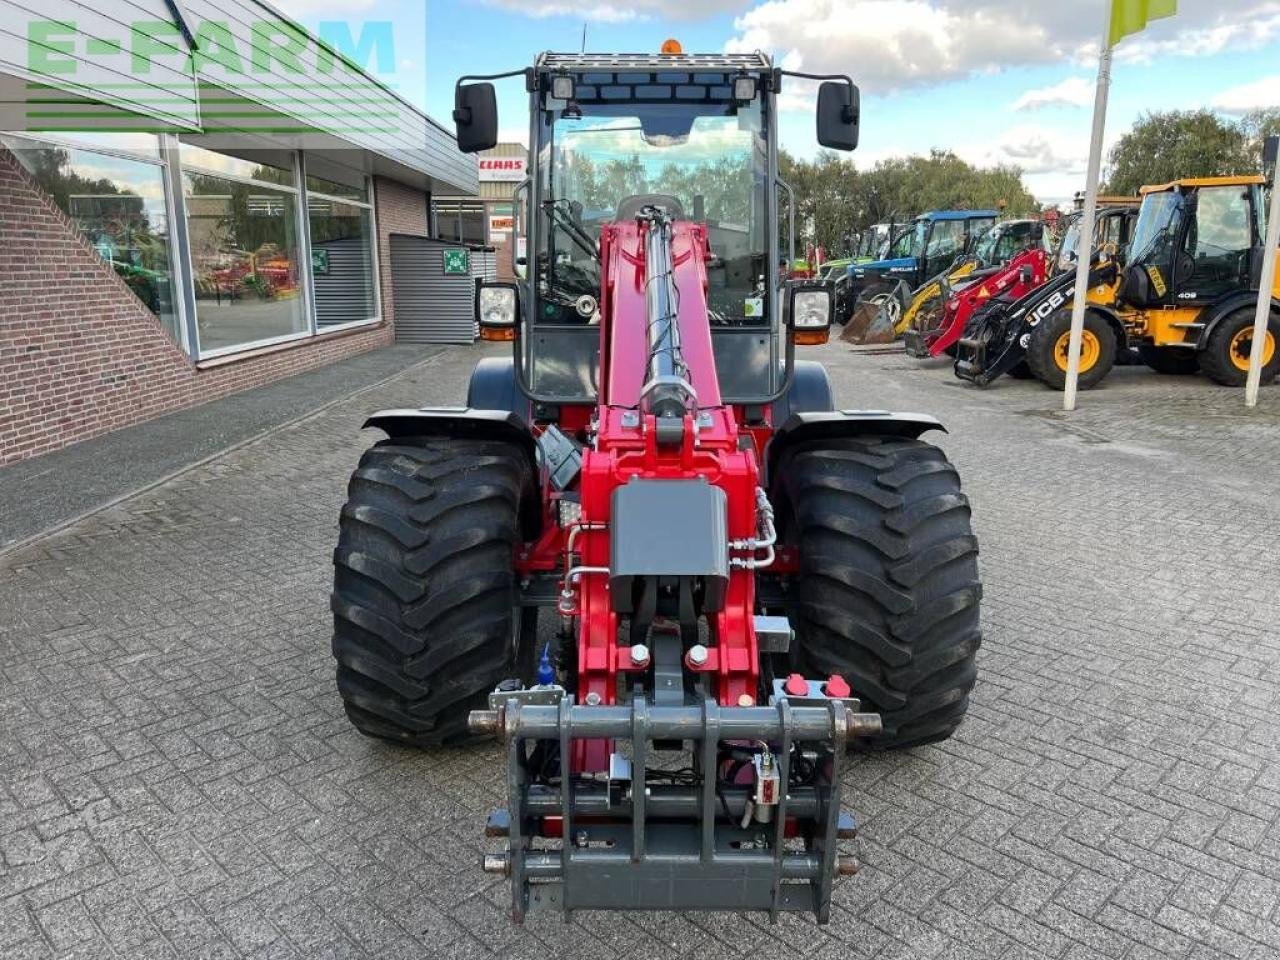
{"x": 669, "y": 529}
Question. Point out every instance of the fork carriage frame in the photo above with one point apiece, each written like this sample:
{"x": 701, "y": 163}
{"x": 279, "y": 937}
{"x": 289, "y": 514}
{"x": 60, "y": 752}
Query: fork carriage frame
{"x": 667, "y": 847}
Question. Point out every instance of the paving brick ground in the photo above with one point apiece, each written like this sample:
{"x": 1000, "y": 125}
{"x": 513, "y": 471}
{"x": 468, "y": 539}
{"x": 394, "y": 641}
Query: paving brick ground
{"x": 177, "y": 778}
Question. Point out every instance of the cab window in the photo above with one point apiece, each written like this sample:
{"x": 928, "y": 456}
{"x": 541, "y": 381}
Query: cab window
{"x": 1218, "y": 241}
{"x": 946, "y": 240}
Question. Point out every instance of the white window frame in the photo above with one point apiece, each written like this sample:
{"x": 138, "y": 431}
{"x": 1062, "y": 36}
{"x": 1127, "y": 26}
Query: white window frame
{"x": 366, "y": 204}
{"x": 201, "y": 355}
{"x": 177, "y": 222}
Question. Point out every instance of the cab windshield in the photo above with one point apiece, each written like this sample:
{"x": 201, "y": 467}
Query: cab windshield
{"x": 909, "y": 242}
{"x": 988, "y": 249}
{"x": 703, "y": 162}
{"x": 1156, "y": 233}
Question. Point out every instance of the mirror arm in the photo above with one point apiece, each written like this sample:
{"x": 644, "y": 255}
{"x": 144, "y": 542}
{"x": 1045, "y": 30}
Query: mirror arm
{"x": 464, "y": 116}
{"x": 848, "y": 115}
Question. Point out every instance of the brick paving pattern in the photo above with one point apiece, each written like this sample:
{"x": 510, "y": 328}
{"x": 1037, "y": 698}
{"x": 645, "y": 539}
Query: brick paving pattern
{"x": 177, "y": 778}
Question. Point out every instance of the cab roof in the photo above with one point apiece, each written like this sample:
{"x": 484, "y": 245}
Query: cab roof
{"x": 649, "y": 62}
{"x": 1245, "y": 181}
{"x": 958, "y": 214}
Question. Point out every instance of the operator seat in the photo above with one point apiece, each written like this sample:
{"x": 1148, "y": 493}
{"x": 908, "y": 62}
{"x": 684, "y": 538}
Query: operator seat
{"x": 628, "y": 207}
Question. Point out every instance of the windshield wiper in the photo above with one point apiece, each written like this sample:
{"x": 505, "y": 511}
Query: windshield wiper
{"x": 564, "y": 220}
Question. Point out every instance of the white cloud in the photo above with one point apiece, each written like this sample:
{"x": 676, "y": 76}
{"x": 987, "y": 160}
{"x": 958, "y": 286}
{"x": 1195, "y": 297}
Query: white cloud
{"x": 1250, "y": 96}
{"x": 684, "y": 10}
{"x": 890, "y": 45}
{"x": 1035, "y": 148}
{"x": 1071, "y": 92}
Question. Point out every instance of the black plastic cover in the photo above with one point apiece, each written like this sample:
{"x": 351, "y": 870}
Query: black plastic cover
{"x": 669, "y": 528}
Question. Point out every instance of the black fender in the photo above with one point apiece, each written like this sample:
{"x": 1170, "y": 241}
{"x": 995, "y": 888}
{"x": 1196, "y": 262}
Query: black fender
{"x": 493, "y": 386}
{"x": 810, "y": 392}
{"x": 1114, "y": 321}
{"x": 801, "y": 428}
{"x": 464, "y": 423}
{"x": 1214, "y": 315}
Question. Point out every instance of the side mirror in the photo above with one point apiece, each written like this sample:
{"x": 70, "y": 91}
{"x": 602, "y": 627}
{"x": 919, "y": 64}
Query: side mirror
{"x": 810, "y": 313}
{"x": 839, "y": 113}
{"x": 475, "y": 116}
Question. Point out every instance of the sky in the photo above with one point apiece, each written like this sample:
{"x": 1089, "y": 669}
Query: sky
{"x": 995, "y": 81}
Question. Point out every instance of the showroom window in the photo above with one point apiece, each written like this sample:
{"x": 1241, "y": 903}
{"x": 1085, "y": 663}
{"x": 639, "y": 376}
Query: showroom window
{"x": 340, "y": 220}
{"x": 113, "y": 187}
{"x": 460, "y": 221}
{"x": 242, "y": 221}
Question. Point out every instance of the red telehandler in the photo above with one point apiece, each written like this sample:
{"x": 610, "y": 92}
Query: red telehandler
{"x": 748, "y": 580}
{"x": 1015, "y": 274}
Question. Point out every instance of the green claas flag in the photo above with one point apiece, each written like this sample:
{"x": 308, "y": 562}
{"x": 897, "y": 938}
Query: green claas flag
{"x": 1131, "y": 16}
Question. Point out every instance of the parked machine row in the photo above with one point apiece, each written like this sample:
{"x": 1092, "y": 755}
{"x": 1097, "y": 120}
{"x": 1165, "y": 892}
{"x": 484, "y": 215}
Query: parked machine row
{"x": 1174, "y": 284}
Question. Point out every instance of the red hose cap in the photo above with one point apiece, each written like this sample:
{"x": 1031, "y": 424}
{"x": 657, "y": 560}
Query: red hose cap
{"x": 796, "y": 685}
{"x": 836, "y": 687}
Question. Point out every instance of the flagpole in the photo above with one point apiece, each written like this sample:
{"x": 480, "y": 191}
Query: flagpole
{"x": 1088, "y": 216}
{"x": 1263, "y": 313}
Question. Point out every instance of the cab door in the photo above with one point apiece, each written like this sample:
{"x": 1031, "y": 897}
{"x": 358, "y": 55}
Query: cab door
{"x": 1216, "y": 254}
{"x": 946, "y": 242}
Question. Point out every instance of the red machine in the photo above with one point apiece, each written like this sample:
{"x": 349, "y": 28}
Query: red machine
{"x": 737, "y": 567}
{"x": 1015, "y": 279}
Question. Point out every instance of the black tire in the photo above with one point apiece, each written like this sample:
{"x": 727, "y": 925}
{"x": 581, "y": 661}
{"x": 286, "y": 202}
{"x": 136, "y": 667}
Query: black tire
{"x": 1173, "y": 361}
{"x": 888, "y": 591}
{"x": 1045, "y": 359}
{"x": 424, "y": 589}
{"x": 1020, "y": 371}
{"x": 1225, "y": 357}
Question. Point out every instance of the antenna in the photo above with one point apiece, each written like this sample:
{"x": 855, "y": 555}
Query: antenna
{"x": 584, "y": 36}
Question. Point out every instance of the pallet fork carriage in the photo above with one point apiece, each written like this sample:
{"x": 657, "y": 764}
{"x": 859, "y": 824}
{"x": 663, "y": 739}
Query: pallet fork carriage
{"x": 748, "y": 580}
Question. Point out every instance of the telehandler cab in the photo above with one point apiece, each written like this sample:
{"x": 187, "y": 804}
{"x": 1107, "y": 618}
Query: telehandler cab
{"x": 1184, "y": 296}
{"x": 749, "y": 580}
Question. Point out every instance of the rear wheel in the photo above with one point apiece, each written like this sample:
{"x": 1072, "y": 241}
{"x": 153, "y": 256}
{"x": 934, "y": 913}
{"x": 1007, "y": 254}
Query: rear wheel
{"x": 887, "y": 593}
{"x": 1048, "y": 347}
{"x": 1225, "y": 358}
{"x": 1171, "y": 360}
{"x": 424, "y": 602}
{"x": 1020, "y": 371}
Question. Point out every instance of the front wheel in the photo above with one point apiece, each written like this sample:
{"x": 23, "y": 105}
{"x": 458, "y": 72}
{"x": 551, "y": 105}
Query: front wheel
{"x": 888, "y": 591}
{"x": 1048, "y": 347}
{"x": 1225, "y": 358}
{"x": 424, "y": 601}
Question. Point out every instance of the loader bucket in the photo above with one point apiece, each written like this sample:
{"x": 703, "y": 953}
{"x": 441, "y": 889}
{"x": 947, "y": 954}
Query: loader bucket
{"x": 663, "y": 834}
{"x": 871, "y": 322}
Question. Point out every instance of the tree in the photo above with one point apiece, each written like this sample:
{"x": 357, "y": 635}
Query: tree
{"x": 1167, "y": 146}
{"x": 1257, "y": 125}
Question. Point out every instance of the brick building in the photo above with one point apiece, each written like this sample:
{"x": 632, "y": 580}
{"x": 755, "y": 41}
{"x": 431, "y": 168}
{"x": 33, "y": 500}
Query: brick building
{"x": 489, "y": 218}
{"x": 158, "y": 251}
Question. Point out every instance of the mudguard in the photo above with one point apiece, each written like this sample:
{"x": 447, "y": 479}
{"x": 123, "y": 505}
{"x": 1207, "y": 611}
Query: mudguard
{"x": 807, "y": 427}
{"x": 1227, "y": 306}
{"x": 464, "y": 423}
{"x": 810, "y": 392}
{"x": 493, "y": 387}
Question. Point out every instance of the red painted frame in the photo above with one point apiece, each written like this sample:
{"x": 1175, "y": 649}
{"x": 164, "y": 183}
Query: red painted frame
{"x": 962, "y": 304}
{"x": 625, "y": 447}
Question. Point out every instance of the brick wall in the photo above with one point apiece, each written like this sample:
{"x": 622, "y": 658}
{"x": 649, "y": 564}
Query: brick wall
{"x": 400, "y": 209}
{"x": 79, "y": 353}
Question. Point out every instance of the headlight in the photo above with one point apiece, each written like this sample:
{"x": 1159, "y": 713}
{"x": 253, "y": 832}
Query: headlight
{"x": 812, "y": 309}
{"x": 497, "y": 306}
